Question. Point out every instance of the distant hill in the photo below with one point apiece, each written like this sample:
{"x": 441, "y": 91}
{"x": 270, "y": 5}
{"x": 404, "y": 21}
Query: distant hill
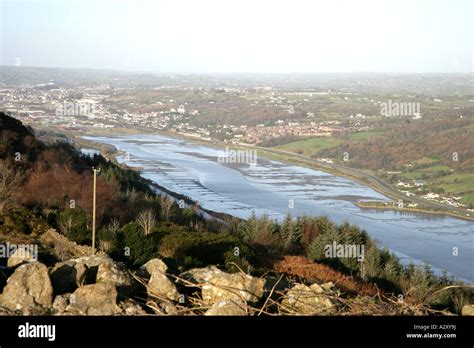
{"x": 379, "y": 83}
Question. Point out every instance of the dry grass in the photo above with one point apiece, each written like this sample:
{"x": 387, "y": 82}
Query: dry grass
{"x": 314, "y": 272}
{"x": 372, "y": 302}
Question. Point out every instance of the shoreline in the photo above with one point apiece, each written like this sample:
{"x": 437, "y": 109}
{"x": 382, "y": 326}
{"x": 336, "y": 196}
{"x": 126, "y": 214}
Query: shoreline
{"x": 277, "y": 155}
{"x": 368, "y": 205}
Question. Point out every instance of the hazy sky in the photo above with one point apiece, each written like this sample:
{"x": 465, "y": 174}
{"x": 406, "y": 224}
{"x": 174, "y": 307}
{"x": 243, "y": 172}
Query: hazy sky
{"x": 208, "y": 36}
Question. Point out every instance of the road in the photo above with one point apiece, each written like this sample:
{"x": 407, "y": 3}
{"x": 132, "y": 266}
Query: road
{"x": 367, "y": 178}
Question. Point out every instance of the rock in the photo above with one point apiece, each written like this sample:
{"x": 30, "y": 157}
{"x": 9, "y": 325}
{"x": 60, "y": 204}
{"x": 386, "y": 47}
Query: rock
{"x": 130, "y": 307}
{"x": 467, "y": 310}
{"x": 302, "y": 299}
{"x": 168, "y": 308}
{"x": 60, "y": 303}
{"x": 20, "y": 256}
{"x": 116, "y": 273}
{"x": 158, "y": 283}
{"x": 151, "y": 267}
{"x": 230, "y": 308}
{"x": 68, "y": 276}
{"x": 28, "y": 289}
{"x": 61, "y": 246}
{"x": 94, "y": 299}
{"x": 109, "y": 268}
{"x": 92, "y": 261}
{"x": 161, "y": 286}
{"x": 220, "y": 286}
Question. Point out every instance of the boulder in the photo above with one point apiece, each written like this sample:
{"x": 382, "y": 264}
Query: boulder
{"x": 158, "y": 283}
{"x": 467, "y": 310}
{"x": 60, "y": 303}
{"x": 20, "y": 256}
{"x": 116, "y": 273}
{"x": 94, "y": 299}
{"x": 221, "y": 286}
{"x": 303, "y": 299}
{"x": 28, "y": 289}
{"x": 130, "y": 307}
{"x": 93, "y": 260}
{"x": 68, "y": 276}
{"x": 227, "y": 308}
{"x": 152, "y": 266}
{"x": 161, "y": 286}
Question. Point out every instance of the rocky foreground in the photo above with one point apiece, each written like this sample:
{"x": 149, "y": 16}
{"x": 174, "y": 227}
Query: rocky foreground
{"x": 97, "y": 285}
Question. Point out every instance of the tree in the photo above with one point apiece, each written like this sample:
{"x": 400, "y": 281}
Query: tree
{"x": 165, "y": 207}
{"x": 147, "y": 220}
{"x": 288, "y": 233}
{"x": 10, "y": 180}
{"x": 73, "y": 224}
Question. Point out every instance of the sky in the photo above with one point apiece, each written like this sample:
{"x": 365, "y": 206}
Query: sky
{"x": 236, "y": 36}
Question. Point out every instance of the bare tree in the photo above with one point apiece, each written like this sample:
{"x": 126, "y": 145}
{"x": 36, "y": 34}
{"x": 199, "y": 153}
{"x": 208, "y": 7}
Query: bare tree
{"x": 165, "y": 207}
{"x": 147, "y": 220}
{"x": 10, "y": 180}
{"x": 67, "y": 224}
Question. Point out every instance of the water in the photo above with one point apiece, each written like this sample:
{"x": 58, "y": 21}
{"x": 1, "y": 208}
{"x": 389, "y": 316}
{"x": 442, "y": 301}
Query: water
{"x": 90, "y": 152}
{"x": 273, "y": 187}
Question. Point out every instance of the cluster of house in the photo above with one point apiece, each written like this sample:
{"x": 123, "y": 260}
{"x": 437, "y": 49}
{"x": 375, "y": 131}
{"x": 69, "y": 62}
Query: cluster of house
{"x": 452, "y": 201}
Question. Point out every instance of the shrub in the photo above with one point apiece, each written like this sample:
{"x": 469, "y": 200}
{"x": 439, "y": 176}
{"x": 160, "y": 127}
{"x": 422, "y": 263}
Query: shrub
{"x": 207, "y": 248}
{"x": 23, "y": 221}
{"x": 133, "y": 246}
{"x": 289, "y": 235}
{"x": 73, "y": 224}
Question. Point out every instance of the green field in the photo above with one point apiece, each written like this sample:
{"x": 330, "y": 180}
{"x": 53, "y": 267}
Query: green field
{"x": 310, "y": 146}
{"x": 453, "y": 178}
{"x": 453, "y": 184}
{"x": 458, "y": 188}
{"x": 412, "y": 176}
{"x": 433, "y": 169}
{"x": 425, "y": 160}
{"x": 468, "y": 199}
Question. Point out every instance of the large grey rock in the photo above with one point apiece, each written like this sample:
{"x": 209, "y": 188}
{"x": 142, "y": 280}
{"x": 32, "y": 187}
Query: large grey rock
{"x": 93, "y": 260}
{"x": 467, "y": 310}
{"x": 60, "y": 303}
{"x": 130, "y": 307}
{"x": 151, "y": 267}
{"x": 28, "y": 289}
{"x": 94, "y": 299}
{"x": 227, "y": 308}
{"x": 158, "y": 283}
{"x": 20, "y": 256}
{"x": 303, "y": 299}
{"x": 219, "y": 286}
{"x": 68, "y": 276}
{"x": 118, "y": 274}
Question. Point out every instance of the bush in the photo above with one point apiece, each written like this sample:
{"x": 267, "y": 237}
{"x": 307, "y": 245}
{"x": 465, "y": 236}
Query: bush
{"x": 204, "y": 247}
{"x": 23, "y": 221}
{"x": 133, "y": 246}
{"x": 73, "y": 224}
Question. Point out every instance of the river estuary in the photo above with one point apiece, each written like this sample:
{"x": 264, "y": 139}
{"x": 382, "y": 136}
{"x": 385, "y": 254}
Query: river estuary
{"x": 276, "y": 188}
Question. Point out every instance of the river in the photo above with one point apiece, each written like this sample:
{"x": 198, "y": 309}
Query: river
{"x": 277, "y": 188}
